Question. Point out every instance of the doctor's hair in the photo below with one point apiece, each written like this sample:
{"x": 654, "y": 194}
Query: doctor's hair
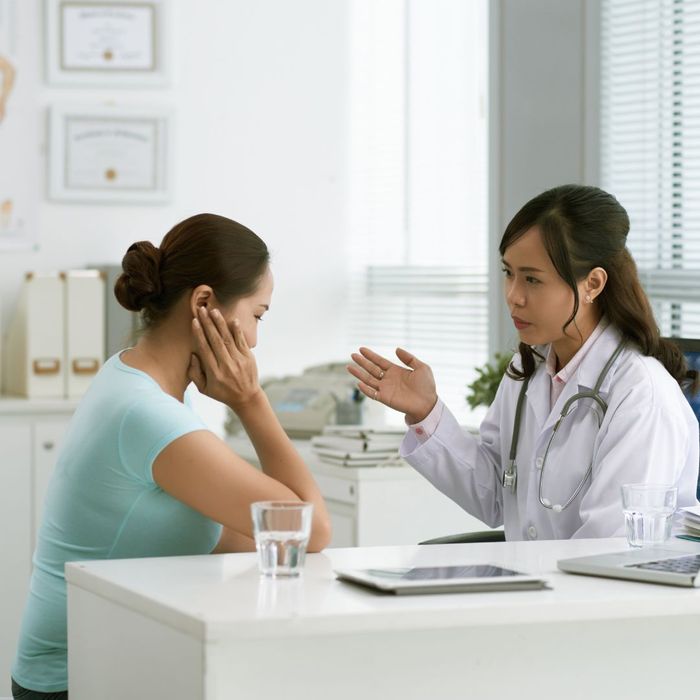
{"x": 203, "y": 249}
{"x": 582, "y": 228}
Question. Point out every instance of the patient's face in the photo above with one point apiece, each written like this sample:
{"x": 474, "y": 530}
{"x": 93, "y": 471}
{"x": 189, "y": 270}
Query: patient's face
{"x": 250, "y": 310}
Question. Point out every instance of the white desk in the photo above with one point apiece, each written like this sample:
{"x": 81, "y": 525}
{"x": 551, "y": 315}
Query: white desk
{"x": 209, "y": 627}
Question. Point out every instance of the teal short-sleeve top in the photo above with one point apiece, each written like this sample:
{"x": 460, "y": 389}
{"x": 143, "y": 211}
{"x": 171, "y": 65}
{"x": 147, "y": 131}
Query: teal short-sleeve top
{"x": 102, "y": 503}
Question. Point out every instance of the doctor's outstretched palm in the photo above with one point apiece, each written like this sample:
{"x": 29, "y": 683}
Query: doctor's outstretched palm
{"x": 409, "y": 389}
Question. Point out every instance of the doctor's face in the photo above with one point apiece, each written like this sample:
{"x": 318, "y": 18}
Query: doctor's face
{"x": 250, "y": 310}
{"x": 539, "y": 300}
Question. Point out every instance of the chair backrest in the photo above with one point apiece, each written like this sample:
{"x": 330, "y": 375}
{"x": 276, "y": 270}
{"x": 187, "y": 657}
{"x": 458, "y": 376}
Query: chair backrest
{"x": 690, "y": 347}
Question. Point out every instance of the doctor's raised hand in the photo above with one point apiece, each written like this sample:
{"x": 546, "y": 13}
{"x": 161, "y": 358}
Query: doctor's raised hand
{"x": 409, "y": 389}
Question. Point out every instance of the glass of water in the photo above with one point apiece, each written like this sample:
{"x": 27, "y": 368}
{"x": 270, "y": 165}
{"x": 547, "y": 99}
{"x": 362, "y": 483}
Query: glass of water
{"x": 282, "y": 530}
{"x": 649, "y": 510}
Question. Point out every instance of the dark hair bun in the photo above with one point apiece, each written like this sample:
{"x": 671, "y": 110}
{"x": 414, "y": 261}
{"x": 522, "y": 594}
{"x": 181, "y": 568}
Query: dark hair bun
{"x": 140, "y": 283}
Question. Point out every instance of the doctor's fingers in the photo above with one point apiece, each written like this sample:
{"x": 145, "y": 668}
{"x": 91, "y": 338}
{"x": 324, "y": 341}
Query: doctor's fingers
{"x": 381, "y": 362}
{"x": 408, "y": 359}
{"x": 365, "y": 378}
{"x": 371, "y": 393}
{"x": 372, "y": 368}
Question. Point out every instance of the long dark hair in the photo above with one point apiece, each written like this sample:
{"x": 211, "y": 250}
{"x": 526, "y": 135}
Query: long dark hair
{"x": 204, "y": 249}
{"x": 582, "y": 228}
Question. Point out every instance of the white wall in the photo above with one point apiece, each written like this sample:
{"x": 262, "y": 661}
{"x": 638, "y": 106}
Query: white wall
{"x": 259, "y": 92}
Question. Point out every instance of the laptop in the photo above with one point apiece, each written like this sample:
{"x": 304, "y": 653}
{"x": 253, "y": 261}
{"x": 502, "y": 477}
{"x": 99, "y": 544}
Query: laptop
{"x": 442, "y": 579}
{"x": 675, "y": 563}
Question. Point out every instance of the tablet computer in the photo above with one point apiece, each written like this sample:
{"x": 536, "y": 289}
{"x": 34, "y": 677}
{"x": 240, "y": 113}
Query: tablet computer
{"x": 460, "y": 578}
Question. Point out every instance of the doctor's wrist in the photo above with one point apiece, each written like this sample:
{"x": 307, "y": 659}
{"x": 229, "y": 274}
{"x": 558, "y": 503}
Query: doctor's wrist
{"x": 418, "y": 415}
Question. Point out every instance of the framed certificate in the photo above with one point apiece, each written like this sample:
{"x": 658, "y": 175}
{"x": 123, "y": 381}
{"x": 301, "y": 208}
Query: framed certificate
{"x": 100, "y": 42}
{"x": 109, "y": 154}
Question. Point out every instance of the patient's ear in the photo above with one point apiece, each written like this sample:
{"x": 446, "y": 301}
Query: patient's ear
{"x": 203, "y": 295}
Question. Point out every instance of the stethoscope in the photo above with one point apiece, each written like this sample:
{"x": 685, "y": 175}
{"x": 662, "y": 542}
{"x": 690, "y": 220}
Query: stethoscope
{"x": 510, "y": 476}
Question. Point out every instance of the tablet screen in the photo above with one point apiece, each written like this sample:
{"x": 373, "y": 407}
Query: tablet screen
{"x": 432, "y": 573}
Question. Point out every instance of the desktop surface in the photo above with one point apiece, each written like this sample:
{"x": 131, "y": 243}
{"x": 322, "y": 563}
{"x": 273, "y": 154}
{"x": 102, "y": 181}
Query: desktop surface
{"x": 223, "y": 596}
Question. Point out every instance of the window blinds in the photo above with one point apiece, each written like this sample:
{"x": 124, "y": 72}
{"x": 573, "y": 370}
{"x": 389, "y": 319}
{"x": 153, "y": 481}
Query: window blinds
{"x": 418, "y": 139}
{"x": 650, "y": 146}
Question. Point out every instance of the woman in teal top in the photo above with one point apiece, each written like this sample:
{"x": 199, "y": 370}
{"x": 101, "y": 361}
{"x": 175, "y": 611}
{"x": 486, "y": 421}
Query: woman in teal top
{"x": 139, "y": 474}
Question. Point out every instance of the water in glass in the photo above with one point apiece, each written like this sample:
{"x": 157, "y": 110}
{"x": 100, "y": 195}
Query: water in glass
{"x": 281, "y": 552}
{"x": 648, "y": 526}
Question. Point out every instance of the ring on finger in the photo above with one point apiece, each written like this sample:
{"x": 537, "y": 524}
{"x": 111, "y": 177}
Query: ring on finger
{"x": 376, "y": 393}
{"x": 381, "y": 374}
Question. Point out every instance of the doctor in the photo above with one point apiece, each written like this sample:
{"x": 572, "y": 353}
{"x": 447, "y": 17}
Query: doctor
{"x": 591, "y": 400}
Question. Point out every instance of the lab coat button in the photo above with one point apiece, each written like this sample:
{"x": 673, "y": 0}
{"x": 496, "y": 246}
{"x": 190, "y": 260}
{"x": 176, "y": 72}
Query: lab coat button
{"x": 538, "y": 462}
{"x": 532, "y": 532}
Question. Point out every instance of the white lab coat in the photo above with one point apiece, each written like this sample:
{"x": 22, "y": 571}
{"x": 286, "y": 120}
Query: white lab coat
{"x": 649, "y": 434}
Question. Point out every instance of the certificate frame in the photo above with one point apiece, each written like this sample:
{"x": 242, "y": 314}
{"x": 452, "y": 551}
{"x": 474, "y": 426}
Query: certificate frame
{"x": 100, "y": 43}
{"x": 110, "y": 155}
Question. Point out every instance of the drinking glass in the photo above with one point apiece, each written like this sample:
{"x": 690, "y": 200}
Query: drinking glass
{"x": 648, "y": 510}
{"x": 282, "y": 530}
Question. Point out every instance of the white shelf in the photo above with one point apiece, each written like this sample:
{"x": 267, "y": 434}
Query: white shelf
{"x": 17, "y": 405}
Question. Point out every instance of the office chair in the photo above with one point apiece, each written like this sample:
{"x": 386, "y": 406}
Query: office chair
{"x": 690, "y": 348}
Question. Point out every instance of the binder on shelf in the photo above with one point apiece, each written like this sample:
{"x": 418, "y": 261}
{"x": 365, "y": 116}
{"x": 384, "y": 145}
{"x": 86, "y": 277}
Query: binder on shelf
{"x": 34, "y": 358}
{"x": 120, "y": 325}
{"x": 84, "y": 328}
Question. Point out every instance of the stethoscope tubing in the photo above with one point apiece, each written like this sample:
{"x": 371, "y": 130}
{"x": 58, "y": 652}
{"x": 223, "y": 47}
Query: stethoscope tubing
{"x": 510, "y": 475}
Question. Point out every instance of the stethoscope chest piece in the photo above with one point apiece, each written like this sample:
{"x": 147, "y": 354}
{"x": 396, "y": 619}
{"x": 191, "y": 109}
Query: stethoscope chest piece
{"x": 510, "y": 477}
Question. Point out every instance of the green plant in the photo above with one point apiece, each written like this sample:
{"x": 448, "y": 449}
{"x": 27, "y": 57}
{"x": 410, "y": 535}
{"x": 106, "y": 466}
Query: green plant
{"x": 482, "y": 391}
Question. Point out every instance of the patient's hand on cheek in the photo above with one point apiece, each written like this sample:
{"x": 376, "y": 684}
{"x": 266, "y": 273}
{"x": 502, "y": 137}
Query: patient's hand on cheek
{"x": 222, "y": 366}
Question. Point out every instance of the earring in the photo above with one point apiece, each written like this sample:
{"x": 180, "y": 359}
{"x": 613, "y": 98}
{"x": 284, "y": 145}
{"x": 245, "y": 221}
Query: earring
{"x": 588, "y": 299}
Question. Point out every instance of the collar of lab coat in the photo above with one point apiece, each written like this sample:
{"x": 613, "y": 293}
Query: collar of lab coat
{"x": 585, "y": 378}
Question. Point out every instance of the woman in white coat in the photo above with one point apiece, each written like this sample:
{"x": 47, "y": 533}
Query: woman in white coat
{"x": 589, "y": 349}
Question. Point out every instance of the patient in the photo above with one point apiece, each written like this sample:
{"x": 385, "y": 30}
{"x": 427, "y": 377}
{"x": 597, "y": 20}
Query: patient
{"x": 139, "y": 475}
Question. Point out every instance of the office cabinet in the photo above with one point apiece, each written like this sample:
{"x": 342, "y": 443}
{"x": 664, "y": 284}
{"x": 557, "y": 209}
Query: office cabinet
{"x": 47, "y": 436}
{"x": 30, "y": 436}
{"x": 386, "y": 506}
{"x": 15, "y": 538}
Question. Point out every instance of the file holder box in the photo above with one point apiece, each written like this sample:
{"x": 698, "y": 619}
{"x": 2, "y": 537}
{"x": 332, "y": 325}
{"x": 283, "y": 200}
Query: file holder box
{"x": 34, "y": 357}
{"x": 84, "y": 328}
{"x": 121, "y": 325}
